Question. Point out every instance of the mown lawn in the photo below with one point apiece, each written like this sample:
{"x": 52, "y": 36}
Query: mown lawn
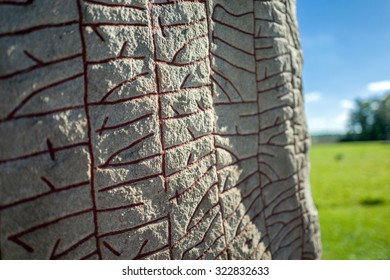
{"x": 350, "y": 184}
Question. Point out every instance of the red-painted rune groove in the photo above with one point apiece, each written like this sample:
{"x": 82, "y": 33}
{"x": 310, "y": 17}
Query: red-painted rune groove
{"x": 89, "y": 130}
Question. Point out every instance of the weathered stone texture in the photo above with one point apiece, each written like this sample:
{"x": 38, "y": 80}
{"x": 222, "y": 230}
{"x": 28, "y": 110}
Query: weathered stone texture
{"x": 153, "y": 130}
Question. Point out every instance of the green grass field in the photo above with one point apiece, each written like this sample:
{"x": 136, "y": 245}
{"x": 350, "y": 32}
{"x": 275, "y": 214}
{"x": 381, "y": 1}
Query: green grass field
{"x": 350, "y": 184}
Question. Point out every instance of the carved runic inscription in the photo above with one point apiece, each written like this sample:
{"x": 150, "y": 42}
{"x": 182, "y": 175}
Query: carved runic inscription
{"x": 153, "y": 130}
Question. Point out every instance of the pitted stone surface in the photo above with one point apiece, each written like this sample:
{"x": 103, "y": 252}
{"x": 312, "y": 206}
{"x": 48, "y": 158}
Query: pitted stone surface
{"x": 143, "y": 129}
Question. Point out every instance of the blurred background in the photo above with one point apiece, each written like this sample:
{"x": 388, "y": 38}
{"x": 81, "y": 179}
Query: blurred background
{"x": 346, "y": 79}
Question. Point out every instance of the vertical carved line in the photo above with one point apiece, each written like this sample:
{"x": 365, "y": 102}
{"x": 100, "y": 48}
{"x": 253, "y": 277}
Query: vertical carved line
{"x": 170, "y": 236}
{"x": 157, "y": 81}
{"x": 258, "y": 137}
{"x": 160, "y": 120}
{"x": 209, "y": 12}
{"x": 89, "y": 130}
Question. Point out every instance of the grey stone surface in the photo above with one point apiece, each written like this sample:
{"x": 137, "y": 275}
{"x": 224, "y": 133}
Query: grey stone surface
{"x": 142, "y": 129}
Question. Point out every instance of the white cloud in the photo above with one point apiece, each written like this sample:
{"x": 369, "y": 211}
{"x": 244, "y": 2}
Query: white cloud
{"x": 329, "y": 124}
{"x": 347, "y": 104}
{"x": 317, "y": 125}
{"x": 313, "y": 96}
{"x": 341, "y": 119}
{"x": 379, "y": 86}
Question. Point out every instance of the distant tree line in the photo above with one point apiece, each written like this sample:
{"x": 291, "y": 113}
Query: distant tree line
{"x": 369, "y": 120}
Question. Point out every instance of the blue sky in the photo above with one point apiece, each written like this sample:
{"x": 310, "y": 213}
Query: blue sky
{"x": 346, "y": 51}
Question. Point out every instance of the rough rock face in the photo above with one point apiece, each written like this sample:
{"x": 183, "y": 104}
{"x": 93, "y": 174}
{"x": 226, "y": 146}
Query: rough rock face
{"x": 158, "y": 129}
